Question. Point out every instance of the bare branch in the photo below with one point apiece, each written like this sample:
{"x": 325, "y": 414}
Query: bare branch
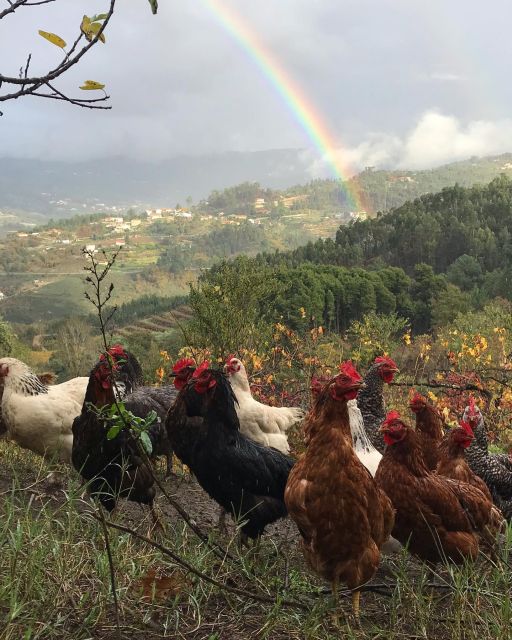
{"x": 31, "y": 86}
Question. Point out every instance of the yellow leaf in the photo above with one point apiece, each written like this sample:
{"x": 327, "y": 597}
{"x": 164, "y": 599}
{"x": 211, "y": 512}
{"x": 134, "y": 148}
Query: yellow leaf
{"x": 90, "y": 29}
{"x": 91, "y": 85}
{"x": 94, "y": 28}
{"x": 53, "y": 38}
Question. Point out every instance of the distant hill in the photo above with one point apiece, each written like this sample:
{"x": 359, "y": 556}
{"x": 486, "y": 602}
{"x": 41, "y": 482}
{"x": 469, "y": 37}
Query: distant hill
{"x": 32, "y": 191}
{"x": 63, "y": 189}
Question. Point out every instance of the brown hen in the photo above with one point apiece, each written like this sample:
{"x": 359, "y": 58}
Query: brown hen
{"x": 343, "y": 517}
{"x": 438, "y": 518}
{"x": 453, "y": 464}
{"x": 429, "y": 427}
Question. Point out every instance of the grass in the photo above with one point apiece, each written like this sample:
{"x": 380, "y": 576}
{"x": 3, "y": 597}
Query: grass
{"x": 54, "y": 578}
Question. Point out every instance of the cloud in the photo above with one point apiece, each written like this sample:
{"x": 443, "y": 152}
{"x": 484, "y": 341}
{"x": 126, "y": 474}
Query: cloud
{"x": 435, "y": 139}
{"x": 445, "y": 77}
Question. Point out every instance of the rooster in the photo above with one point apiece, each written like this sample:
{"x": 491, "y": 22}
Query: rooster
{"x": 39, "y": 416}
{"x": 262, "y": 423}
{"x": 371, "y": 401}
{"x": 244, "y": 478}
{"x": 452, "y": 463}
{"x": 429, "y": 428}
{"x": 114, "y": 467}
{"x": 438, "y": 518}
{"x": 494, "y": 469}
{"x": 342, "y": 515}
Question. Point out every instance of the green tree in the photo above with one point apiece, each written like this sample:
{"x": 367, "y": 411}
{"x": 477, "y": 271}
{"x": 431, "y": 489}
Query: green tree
{"x": 233, "y": 308}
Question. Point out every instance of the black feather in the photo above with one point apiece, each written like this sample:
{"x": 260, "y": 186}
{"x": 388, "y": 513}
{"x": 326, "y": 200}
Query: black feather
{"x": 245, "y": 478}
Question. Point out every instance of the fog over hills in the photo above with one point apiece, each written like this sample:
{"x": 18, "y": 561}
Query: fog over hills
{"x": 37, "y": 186}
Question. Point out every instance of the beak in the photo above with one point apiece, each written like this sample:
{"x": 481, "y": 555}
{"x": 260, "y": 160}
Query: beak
{"x": 383, "y": 428}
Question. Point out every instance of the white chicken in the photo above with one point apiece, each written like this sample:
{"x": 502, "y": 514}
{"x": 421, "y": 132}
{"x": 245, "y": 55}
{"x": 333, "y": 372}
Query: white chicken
{"x": 260, "y": 422}
{"x": 37, "y": 416}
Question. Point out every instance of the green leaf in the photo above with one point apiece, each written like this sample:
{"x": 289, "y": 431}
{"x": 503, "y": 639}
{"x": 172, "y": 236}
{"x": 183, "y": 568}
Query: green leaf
{"x": 100, "y": 16}
{"x": 113, "y": 432}
{"x": 150, "y": 418}
{"x": 154, "y": 6}
{"x": 146, "y": 442}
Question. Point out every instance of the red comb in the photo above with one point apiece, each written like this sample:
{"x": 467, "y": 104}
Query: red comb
{"x": 392, "y": 416}
{"x": 348, "y": 369}
{"x": 115, "y": 351}
{"x": 385, "y": 360}
{"x": 417, "y": 398}
{"x": 200, "y": 369}
{"x": 183, "y": 363}
{"x": 204, "y": 379}
{"x": 467, "y": 428}
{"x": 472, "y": 407}
{"x": 230, "y": 357}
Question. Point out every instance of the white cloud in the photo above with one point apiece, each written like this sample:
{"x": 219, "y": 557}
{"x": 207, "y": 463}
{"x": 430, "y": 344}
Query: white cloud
{"x": 445, "y": 77}
{"x": 435, "y": 139}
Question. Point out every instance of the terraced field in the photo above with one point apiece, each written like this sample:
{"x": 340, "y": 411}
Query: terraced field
{"x": 159, "y": 323}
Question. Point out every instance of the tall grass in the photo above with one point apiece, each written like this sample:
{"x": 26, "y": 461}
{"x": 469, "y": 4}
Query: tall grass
{"x": 54, "y": 579}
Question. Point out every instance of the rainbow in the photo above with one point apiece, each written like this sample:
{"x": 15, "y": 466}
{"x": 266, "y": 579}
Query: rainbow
{"x": 297, "y": 103}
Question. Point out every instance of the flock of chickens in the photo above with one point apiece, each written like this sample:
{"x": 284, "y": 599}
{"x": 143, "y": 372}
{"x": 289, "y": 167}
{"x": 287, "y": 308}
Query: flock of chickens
{"x": 366, "y": 477}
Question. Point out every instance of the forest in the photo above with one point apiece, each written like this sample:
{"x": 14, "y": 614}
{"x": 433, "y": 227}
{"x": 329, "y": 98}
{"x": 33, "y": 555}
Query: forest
{"x": 427, "y": 260}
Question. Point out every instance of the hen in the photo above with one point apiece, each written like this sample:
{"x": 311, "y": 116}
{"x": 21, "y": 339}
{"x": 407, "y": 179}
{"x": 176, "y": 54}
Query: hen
{"x": 114, "y": 467}
{"x": 260, "y": 422}
{"x": 429, "y": 429}
{"x": 364, "y": 449}
{"x": 371, "y": 400}
{"x": 246, "y": 479}
{"x": 39, "y": 416}
{"x": 492, "y": 468}
{"x": 436, "y": 517}
{"x": 342, "y": 515}
{"x": 144, "y": 399}
{"x": 452, "y": 463}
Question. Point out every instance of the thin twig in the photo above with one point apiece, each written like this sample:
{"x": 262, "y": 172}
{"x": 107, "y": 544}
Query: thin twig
{"x": 191, "y": 569}
{"x": 111, "y": 569}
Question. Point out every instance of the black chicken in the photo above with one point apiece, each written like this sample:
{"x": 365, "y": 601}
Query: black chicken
{"x": 246, "y": 479}
{"x": 145, "y": 399}
{"x": 115, "y": 467}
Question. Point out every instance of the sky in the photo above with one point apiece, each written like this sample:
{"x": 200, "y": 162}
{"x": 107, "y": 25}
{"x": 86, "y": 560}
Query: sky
{"x": 397, "y": 83}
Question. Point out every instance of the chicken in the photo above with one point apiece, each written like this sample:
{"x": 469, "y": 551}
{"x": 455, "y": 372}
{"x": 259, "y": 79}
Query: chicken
{"x": 144, "y": 399}
{"x": 47, "y": 379}
{"x": 114, "y": 467}
{"x": 429, "y": 429}
{"x": 492, "y": 468}
{"x": 39, "y": 416}
{"x": 245, "y": 478}
{"x": 436, "y": 517}
{"x": 371, "y": 401}
{"x": 342, "y": 515}
{"x": 364, "y": 449}
{"x": 452, "y": 463}
{"x": 260, "y": 422}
